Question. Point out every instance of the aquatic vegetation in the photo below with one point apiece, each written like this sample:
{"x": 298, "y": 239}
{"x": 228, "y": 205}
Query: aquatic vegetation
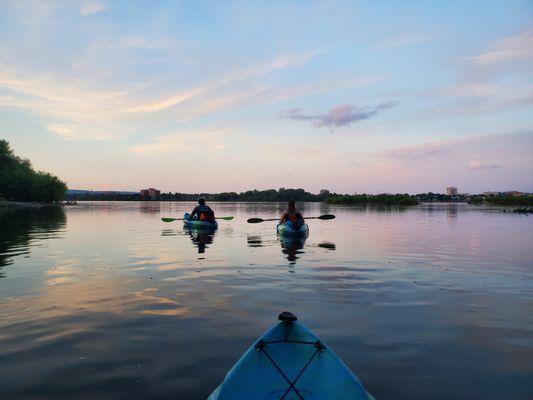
{"x": 382, "y": 199}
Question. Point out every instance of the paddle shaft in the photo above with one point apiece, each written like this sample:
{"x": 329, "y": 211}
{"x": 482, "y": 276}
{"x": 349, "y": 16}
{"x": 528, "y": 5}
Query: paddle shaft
{"x": 277, "y": 219}
{"x": 183, "y": 219}
{"x": 258, "y": 220}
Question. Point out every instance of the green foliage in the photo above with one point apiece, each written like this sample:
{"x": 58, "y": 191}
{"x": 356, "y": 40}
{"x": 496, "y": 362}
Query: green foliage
{"x": 476, "y": 200}
{"x": 19, "y": 182}
{"x": 507, "y": 200}
{"x": 382, "y": 199}
{"x": 430, "y": 196}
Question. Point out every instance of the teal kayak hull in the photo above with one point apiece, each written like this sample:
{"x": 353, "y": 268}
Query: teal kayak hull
{"x": 289, "y": 362}
{"x": 287, "y": 230}
{"x": 197, "y": 224}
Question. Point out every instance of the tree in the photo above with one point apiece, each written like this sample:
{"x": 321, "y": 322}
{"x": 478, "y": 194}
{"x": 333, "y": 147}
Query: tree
{"x": 20, "y": 182}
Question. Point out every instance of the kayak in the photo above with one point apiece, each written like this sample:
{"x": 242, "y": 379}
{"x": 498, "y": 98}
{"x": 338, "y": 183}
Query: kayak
{"x": 195, "y": 223}
{"x": 288, "y": 229}
{"x": 290, "y": 362}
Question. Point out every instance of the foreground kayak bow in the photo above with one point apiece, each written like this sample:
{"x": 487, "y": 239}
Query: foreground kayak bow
{"x": 289, "y": 362}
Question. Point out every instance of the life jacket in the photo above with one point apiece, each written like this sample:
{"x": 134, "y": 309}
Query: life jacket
{"x": 293, "y": 218}
{"x": 206, "y": 216}
{"x": 203, "y": 216}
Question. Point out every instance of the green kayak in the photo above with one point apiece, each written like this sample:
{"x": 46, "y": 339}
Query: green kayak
{"x": 289, "y": 362}
{"x": 195, "y": 223}
{"x": 288, "y": 229}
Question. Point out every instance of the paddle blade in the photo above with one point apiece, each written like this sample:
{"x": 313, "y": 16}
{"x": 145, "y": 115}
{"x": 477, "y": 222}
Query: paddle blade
{"x": 225, "y": 218}
{"x": 168, "y": 219}
{"x": 255, "y": 220}
{"x": 327, "y": 216}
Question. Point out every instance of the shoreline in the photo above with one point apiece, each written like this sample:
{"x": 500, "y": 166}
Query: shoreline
{"x": 23, "y": 204}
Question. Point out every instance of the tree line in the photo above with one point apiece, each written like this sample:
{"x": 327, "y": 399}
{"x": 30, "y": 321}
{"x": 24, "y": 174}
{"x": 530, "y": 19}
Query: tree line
{"x": 20, "y": 182}
{"x": 282, "y": 194}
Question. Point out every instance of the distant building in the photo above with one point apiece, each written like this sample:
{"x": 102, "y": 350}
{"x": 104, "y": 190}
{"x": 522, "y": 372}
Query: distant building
{"x": 514, "y": 193}
{"x": 150, "y": 194}
{"x": 451, "y": 191}
{"x": 491, "y": 193}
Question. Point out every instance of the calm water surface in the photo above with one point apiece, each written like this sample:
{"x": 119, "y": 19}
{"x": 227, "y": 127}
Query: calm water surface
{"x": 105, "y": 301}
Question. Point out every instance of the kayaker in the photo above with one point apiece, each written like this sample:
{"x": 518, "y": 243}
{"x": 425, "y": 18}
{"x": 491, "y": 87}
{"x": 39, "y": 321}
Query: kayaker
{"x": 203, "y": 212}
{"x": 292, "y": 215}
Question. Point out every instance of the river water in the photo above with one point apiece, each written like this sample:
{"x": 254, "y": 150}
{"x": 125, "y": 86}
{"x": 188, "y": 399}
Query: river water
{"x": 103, "y": 300}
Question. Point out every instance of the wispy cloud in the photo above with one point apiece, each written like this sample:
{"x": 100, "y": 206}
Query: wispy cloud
{"x": 91, "y": 7}
{"x": 63, "y": 131}
{"x": 192, "y": 141}
{"x": 205, "y": 93}
{"x": 476, "y": 164}
{"x": 489, "y": 146}
{"x": 495, "y": 80}
{"x": 419, "y": 151}
{"x": 511, "y": 49}
{"x": 74, "y": 107}
{"x": 342, "y": 115}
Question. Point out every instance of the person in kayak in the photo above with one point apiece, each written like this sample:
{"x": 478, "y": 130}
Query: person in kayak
{"x": 203, "y": 212}
{"x": 292, "y": 216}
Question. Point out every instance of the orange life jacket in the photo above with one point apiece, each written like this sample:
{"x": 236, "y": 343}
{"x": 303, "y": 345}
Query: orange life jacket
{"x": 293, "y": 217}
{"x": 205, "y": 216}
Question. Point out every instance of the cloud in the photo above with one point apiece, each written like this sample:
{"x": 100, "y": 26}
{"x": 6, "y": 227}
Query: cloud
{"x": 77, "y": 132}
{"x": 515, "y": 48}
{"x": 419, "y": 151}
{"x": 491, "y": 145}
{"x": 74, "y": 107}
{"x": 436, "y": 165}
{"x": 476, "y": 164}
{"x": 92, "y": 7}
{"x": 201, "y": 141}
{"x": 63, "y": 131}
{"x": 495, "y": 80}
{"x": 205, "y": 95}
{"x": 342, "y": 115}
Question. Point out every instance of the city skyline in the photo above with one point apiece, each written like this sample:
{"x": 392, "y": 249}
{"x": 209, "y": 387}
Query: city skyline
{"x": 350, "y": 97}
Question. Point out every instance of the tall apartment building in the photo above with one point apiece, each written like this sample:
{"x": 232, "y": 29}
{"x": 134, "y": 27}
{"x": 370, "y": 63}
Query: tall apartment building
{"x": 451, "y": 191}
{"x": 150, "y": 194}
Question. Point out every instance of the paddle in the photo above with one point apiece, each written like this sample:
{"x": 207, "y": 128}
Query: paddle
{"x": 257, "y": 220}
{"x": 181, "y": 219}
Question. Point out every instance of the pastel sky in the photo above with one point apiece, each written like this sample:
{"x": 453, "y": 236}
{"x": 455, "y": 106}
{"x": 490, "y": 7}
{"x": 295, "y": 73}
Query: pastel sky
{"x": 389, "y": 96}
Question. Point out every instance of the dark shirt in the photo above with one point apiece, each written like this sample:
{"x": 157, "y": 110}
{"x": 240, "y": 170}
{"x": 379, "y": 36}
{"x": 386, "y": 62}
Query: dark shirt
{"x": 203, "y": 209}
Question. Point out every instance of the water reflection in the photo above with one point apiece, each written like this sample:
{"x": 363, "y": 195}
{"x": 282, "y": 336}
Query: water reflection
{"x": 149, "y": 207}
{"x": 292, "y": 247}
{"x": 201, "y": 238}
{"x": 451, "y": 210}
{"x": 20, "y": 226}
{"x": 412, "y": 303}
{"x": 327, "y": 245}
{"x": 254, "y": 241}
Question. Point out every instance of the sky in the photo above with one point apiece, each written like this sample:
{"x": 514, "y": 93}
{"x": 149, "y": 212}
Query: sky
{"x": 193, "y": 96}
